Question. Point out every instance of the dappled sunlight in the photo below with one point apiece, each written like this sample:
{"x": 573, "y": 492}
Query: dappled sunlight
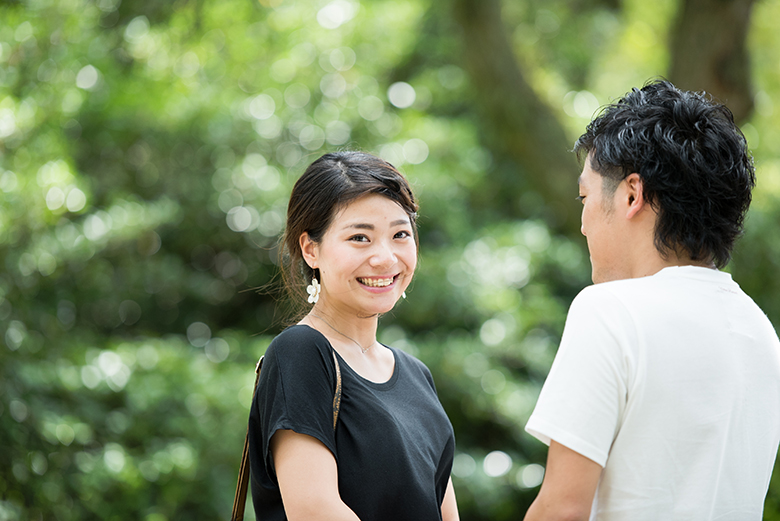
{"x": 147, "y": 154}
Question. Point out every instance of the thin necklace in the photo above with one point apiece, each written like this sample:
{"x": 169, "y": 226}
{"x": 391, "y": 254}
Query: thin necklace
{"x": 362, "y": 349}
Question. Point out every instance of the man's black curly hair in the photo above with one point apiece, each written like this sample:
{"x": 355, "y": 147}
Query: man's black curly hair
{"x": 696, "y": 170}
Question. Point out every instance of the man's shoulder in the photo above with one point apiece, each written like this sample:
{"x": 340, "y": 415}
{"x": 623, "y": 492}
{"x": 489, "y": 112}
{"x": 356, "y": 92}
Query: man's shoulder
{"x": 623, "y": 290}
{"x": 613, "y": 290}
{"x": 617, "y": 302}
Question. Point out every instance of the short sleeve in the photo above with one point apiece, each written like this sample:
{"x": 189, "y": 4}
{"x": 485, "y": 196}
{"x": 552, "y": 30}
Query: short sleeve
{"x": 295, "y": 392}
{"x": 583, "y": 399}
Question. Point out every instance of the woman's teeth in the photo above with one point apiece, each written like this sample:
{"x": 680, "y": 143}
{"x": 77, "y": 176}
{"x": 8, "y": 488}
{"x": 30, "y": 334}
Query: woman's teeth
{"x": 376, "y": 283}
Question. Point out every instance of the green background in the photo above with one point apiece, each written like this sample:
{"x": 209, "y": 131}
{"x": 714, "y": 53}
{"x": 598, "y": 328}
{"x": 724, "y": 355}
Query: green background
{"x": 147, "y": 150}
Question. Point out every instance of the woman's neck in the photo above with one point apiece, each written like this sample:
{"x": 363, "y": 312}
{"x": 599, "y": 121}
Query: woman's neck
{"x": 350, "y": 327}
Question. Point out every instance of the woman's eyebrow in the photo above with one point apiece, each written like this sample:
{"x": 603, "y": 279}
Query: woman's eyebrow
{"x": 361, "y": 226}
{"x": 368, "y": 226}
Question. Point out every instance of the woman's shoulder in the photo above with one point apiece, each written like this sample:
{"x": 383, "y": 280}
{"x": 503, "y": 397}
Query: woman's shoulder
{"x": 297, "y": 340}
{"x": 404, "y": 356}
{"x": 410, "y": 362}
{"x": 296, "y": 333}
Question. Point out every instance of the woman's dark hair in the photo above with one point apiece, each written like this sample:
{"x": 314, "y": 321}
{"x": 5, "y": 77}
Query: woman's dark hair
{"x": 696, "y": 170}
{"x": 328, "y": 185}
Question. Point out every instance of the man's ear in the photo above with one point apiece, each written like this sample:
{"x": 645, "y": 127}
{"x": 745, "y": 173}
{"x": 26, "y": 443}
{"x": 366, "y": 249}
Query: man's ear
{"x": 635, "y": 195}
{"x": 309, "y": 250}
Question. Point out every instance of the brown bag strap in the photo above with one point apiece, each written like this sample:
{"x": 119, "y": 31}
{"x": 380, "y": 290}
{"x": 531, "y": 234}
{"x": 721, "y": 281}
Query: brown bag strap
{"x": 239, "y": 500}
{"x": 337, "y": 394}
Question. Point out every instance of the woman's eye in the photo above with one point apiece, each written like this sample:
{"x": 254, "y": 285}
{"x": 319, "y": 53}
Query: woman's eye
{"x": 580, "y": 198}
{"x": 402, "y": 235}
{"x": 359, "y": 238}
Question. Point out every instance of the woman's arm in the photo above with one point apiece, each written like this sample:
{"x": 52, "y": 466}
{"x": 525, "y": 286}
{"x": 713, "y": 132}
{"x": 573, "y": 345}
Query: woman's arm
{"x": 308, "y": 479}
{"x": 449, "y": 507}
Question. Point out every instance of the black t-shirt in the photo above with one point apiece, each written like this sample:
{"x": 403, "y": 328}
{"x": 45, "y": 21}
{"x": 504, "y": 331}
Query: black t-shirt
{"x": 393, "y": 442}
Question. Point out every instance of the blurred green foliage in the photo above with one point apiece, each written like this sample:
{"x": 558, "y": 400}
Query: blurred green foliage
{"x": 146, "y": 153}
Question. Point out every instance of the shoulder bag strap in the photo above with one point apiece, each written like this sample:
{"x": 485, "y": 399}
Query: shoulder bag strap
{"x": 337, "y": 394}
{"x": 239, "y": 500}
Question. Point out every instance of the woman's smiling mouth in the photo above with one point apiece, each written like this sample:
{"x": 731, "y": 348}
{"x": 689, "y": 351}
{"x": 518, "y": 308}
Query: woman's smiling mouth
{"x": 376, "y": 283}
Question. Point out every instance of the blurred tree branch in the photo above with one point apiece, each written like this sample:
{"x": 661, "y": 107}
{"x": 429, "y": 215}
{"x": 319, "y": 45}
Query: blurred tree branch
{"x": 709, "y": 51}
{"x": 521, "y": 128}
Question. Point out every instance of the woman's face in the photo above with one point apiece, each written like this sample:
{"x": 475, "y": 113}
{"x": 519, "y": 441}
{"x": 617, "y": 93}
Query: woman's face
{"x": 366, "y": 257}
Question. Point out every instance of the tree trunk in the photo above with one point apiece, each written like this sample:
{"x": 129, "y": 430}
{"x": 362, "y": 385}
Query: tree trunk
{"x": 519, "y": 127}
{"x": 709, "y": 52}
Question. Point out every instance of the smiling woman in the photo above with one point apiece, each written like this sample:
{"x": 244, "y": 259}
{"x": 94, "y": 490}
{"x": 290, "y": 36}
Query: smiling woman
{"x": 351, "y": 241}
{"x": 365, "y": 259}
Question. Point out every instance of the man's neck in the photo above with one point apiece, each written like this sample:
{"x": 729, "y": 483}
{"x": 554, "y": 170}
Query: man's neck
{"x": 653, "y": 264}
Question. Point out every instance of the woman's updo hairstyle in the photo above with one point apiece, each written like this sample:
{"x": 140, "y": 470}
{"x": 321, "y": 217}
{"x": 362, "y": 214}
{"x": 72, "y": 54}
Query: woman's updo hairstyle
{"x": 330, "y": 184}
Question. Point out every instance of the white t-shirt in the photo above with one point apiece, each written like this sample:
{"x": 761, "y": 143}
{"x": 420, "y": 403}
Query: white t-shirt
{"x": 672, "y": 384}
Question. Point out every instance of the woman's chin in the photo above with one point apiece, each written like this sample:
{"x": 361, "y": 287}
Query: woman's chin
{"x": 381, "y": 307}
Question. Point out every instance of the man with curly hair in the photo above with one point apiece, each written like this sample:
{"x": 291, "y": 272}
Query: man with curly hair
{"x": 663, "y": 402}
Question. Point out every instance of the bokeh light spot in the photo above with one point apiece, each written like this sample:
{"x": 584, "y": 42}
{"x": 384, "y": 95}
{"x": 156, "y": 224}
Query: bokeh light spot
{"x": 581, "y": 104}
{"x": 55, "y": 198}
{"x": 239, "y": 219}
{"x": 188, "y": 65}
{"x": 137, "y": 28}
{"x": 198, "y": 334}
{"x": 65, "y": 434}
{"x": 7, "y": 123}
{"x": 129, "y": 312}
{"x": 493, "y": 381}
{"x": 393, "y": 153}
{"x": 217, "y": 350}
{"x": 262, "y": 106}
{"x": 463, "y": 465}
{"x": 312, "y": 137}
{"x": 451, "y": 77}
{"x": 87, "y": 77}
{"x": 337, "y": 132}
{"x": 492, "y": 332}
{"x": 401, "y": 94}
{"x": 114, "y": 457}
{"x": 415, "y": 151}
{"x": 271, "y": 223}
{"x": 283, "y": 71}
{"x": 530, "y": 476}
{"x": 343, "y": 58}
{"x": 336, "y": 13}
{"x": 297, "y": 95}
{"x": 370, "y": 108}
{"x": 475, "y": 365}
{"x": 269, "y": 128}
{"x": 76, "y": 200}
{"x": 18, "y": 410}
{"x": 497, "y": 463}
{"x": 333, "y": 85}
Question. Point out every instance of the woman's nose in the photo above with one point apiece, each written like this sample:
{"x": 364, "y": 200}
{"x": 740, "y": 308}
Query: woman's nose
{"x": 383, "y": 255}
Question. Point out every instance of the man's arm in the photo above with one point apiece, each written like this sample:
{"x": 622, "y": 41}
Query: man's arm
{"x": 569, "y": 486}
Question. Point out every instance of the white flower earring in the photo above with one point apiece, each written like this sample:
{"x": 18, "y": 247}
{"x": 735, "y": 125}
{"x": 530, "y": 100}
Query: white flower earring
{"x": 313, "y": 290}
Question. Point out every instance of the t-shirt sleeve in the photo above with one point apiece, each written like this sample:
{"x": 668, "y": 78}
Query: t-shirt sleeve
{"x": 295, "y": 391}
{"x": 427, "y": 374}
{"x": 584, "y": 397}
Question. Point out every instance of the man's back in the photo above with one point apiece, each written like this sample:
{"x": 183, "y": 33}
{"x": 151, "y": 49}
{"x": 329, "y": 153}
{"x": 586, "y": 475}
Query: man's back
{"x": 672, "y": 383}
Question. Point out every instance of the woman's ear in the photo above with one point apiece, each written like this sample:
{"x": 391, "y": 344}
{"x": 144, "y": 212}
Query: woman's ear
{"x": 309, "y": 250}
